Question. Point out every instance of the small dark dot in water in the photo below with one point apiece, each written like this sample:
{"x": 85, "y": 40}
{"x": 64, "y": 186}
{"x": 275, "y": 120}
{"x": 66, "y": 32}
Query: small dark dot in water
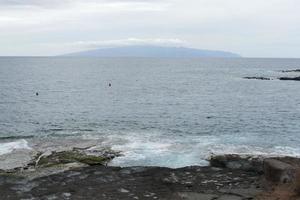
{"x": 109, "y": 84}
{"x": 208, "y": 117}
{"x": 37, "y": 94}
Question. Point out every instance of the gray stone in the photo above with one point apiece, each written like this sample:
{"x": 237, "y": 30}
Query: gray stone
{"x": 233, "y": 161}
{"x": 290, "y": 78}
{"x": 229, "y": 197}
{"x": 245, "y": 193}
{"x": 16, "y": 159}
{"x": 257, "y": 77}
{"x": 171, "y": 179}
{"x": 196, "y": 196}
{"x": 278, "y": 171}
{"x": 124, "y": 190}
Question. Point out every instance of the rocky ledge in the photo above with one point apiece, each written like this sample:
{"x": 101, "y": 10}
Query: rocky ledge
{"x": 47, "y": 163}
{"x": 290, "y": 78}
{"x": 100, "y": 182}
{"x": 229, "y": 177}
{"x": 289, "y": 71}
{"x": 297, "y": 78}
{"x": 257, "y": 78}
{"x": 280, "y": 78}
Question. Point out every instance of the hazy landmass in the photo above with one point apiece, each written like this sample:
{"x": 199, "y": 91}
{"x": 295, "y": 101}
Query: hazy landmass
{"x": 152, "y": 51}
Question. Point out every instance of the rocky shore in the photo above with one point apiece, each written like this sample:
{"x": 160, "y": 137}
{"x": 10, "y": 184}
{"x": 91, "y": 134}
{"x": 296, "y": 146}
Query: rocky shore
{"x": 84, "y": 174}
{"x": 282, "y": 78}
{"x": 279, "y": 78}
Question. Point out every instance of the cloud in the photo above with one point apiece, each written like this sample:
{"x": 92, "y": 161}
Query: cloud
{"x": 35, "y": 15}
{"x": 64, "y": 3}
{"x": 253, "y": 28}
{"x": 41, "y": 3}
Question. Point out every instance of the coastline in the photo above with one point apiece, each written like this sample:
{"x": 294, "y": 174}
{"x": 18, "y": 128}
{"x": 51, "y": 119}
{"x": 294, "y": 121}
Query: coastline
{"x": 84, "y": 173}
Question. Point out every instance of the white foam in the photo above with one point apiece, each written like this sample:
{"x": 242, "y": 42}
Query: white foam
{"x": 175, "y": 152}
{"x": 155, "y": 150}
{"x": 6, "y": 148}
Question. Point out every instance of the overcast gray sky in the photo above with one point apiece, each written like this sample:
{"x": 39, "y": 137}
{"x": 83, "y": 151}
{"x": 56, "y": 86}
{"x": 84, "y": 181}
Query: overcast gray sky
{"x": 252, "y": 28}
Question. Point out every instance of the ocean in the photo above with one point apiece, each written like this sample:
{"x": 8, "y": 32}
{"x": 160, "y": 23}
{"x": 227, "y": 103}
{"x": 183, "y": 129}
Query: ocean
{"x": 157, "y": 112}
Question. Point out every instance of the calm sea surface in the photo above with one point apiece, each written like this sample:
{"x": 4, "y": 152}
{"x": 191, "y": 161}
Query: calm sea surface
{"x": 163, "y": 112}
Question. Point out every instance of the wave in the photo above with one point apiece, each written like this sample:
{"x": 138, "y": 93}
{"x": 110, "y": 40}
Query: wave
{"x": 139, "y": 150}
{"x": 6, "y": 148}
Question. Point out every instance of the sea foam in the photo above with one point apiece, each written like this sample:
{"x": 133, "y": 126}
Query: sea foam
{"x": 6, "y": 148}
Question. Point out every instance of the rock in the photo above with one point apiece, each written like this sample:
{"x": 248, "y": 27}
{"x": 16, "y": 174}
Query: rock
{"x": 107, "y": 183}
{"x": 290, "y": 78}
{"x": 229, "y": 197}
{"x": 278, "y": 171}
{"x": 171, "y": 179}
{"x": 16, "y": 159}
{"x": 233, "y": 161}
{"x": 257, "y": 77}
{"x": 71, "y": 157}
{"x": 244, "y": 193}
{"x": 290, "y": 160}
{"x": 57, "y": 158}
{"x": 124, "y": 190}
{"x": 66, "y": 194}
{"x": 297, "y": 182}
{"x": 195, "y": 196}
{"x": 293, "y": 70}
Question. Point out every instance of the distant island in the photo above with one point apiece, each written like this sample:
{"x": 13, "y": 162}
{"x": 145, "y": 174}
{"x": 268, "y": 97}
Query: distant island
{"x": 152, "y": 51}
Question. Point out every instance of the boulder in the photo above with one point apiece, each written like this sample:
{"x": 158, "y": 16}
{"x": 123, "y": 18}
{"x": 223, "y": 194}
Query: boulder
{"x": 233, "y": 161}
{"x": 257, "y": 77}
{"x": 290, "y": 78}
{"x": 293, "y": 70}
{"x": 74, "y": 156}
{"x": 278, "y": 171}
{"x": 297, "y": 182}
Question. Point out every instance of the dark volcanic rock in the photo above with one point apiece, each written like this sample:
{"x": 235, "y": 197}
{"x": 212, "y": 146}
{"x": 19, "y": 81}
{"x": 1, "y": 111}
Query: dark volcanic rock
{"x": 279, "y": 171}
{"x": 258, "y": 78}
{"x": 290, "y": 78}
{"x": 294, "y": 161}
{"x": 76, "y": 155}
{"x": 113, "y": 183}
{"x": 65, "y": 157}
{"x": 230, "y": 177}
{"x": 293, "y": 70}
{"x": 233, "y": 161}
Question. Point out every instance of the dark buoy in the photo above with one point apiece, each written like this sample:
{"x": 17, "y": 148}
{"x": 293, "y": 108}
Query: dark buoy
{"x": 109, "y": 84}
{"x": 37, "y": 94}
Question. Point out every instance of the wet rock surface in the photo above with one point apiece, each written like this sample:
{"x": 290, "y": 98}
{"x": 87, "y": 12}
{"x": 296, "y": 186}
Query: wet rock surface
{"x": 230, "y": 177}
{"x": 279, "y": 171}
{"x": 101, "y": 182}
{"x": 83, "y": 156}
{"x": 234, "y": 161}
{"x": 282, "y": 78}
{"x": 41, "y": 162}
{"x": 257, "y": 78}
{"x": 292, "y": 70}
{"x": 290, "y": 78}
{"x": 53, "y": 150}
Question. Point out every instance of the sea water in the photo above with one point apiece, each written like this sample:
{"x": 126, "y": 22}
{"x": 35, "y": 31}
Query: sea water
{"x": 158, "y": 112}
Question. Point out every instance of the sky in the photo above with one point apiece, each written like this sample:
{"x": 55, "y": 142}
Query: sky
{"x": 252, "y": 28}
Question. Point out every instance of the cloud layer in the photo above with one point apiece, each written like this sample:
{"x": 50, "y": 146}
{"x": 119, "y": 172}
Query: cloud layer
{"x": 251, "y": 28}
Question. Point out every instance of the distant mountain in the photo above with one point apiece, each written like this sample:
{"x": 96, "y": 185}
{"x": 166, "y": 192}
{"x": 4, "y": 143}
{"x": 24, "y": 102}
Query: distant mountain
{"x": 152, "y": 51}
